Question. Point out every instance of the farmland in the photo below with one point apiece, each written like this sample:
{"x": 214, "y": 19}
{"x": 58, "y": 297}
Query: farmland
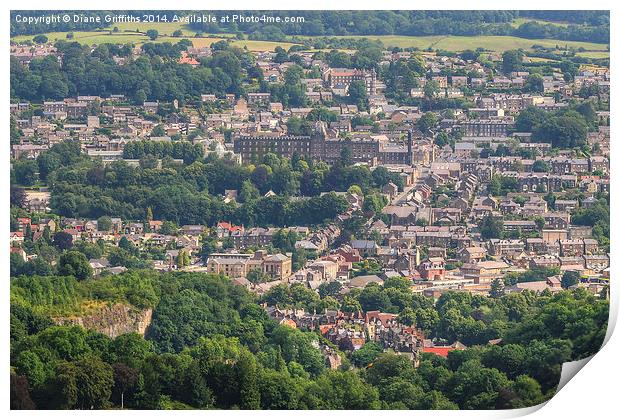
{"x": 594, "y": 54}
{"x": 138, "y": 38}
{"x": 488, "y": 42}
{"x": 136, "y": 33}
{"x": 520, "y": 21}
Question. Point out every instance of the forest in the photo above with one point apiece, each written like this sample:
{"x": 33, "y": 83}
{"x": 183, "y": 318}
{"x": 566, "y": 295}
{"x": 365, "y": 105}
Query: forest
{"x": 211, "y": 345}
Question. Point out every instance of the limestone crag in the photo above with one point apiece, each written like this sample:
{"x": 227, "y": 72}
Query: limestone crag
{"x": 112, "y": 320}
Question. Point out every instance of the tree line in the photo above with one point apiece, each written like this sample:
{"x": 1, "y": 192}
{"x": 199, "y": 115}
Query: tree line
{"x": 184, "y": 150}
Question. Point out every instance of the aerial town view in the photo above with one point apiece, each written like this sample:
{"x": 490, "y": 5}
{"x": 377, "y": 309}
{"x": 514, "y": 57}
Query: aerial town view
{"x": 318, "y": 210}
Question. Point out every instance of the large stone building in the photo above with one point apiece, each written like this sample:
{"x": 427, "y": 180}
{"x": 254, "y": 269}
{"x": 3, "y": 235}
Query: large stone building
{"x": 235, "y": 265}
{"x": 486, "y": 128}
{"x": 318, "y": 147}
{"x": 344, "y": 77}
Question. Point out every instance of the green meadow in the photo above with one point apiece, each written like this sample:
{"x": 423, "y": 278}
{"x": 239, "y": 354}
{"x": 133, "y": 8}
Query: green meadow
{"x": 136, "y": 33}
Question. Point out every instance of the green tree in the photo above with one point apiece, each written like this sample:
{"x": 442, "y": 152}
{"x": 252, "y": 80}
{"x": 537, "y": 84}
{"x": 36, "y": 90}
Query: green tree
{"x": 183, "y": 258}
{"x": 442, "y": 140}
{"x": 529, "y": 119}
{"x": 346, "y": 156}
{"x": 158, "y": 131}
{"x": 65, "y": 387}
{"x": 131, "y": 349}
{"x": 257, "y": 276}
{"x": 407, "y": 317}
{"x": 357, "y": 94}
{"x": 534, "y": 83}
{"x": 25, "y": 171}
{"x": 278, "y": 390}
{"x": 541, "y": 166}
{"x": 566, "y": 131}
{"x": 94, "y": 381}
{"x": 331, "y": 288}
{"x": 512, "y": 60}
{"x": 338, "y": 390}
{"x": 104, "y": 224}
{"x": 389, "y": 366}
{"x": 373, "y": 298}
{"x": 570, "y": 278}
{"x": 152, "y": 34}
{"x": 20, "y": 395}
{"x": 366, "y": 354}
{"x": 491, "y": 227}
{"x": 293, "y": 75}
{"x": 401, "y": 393}
{"x": 125, "y": 380}
{"x": 248, "y": 191}
{"x": 30, "y": 366}
{"x": 40, "y": 39}
{"x": 431, "y": 89}
{"x": 528, "y": 392}
{"x": 477, "y": 387}
{"x": 63, "y": 240}
{"x": 48, "y": 163}
{"x": 74, "y": 263}
{"x": 497, "y": 288}
{"x": 427, "y": 122}
{"x": 427, "y": 319}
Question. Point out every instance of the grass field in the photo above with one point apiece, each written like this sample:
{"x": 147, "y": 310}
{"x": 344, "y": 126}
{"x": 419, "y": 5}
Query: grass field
{"x": 134, "y": 33}
{"x": 164, "y": 28}
{"x": 91, "y": 37}
{"x": 102, "y": 37}
{"x": 492, "y": 43}
{"x": 127, "y": 32}
{"x": 594, "y": 54}
{"x": 520, "y": 21}
{"x": 541, "y": 60}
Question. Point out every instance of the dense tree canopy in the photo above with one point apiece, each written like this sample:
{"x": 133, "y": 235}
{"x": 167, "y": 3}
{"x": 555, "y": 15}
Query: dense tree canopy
{"x": 190, "y": 192}
{"x": 563, "y": 129}
{"x": 211, "y": 345}
{"x": 153, "y": 77}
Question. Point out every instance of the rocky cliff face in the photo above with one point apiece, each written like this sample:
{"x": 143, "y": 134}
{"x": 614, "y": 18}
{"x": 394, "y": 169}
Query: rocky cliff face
{"x": 112, "y": 320}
